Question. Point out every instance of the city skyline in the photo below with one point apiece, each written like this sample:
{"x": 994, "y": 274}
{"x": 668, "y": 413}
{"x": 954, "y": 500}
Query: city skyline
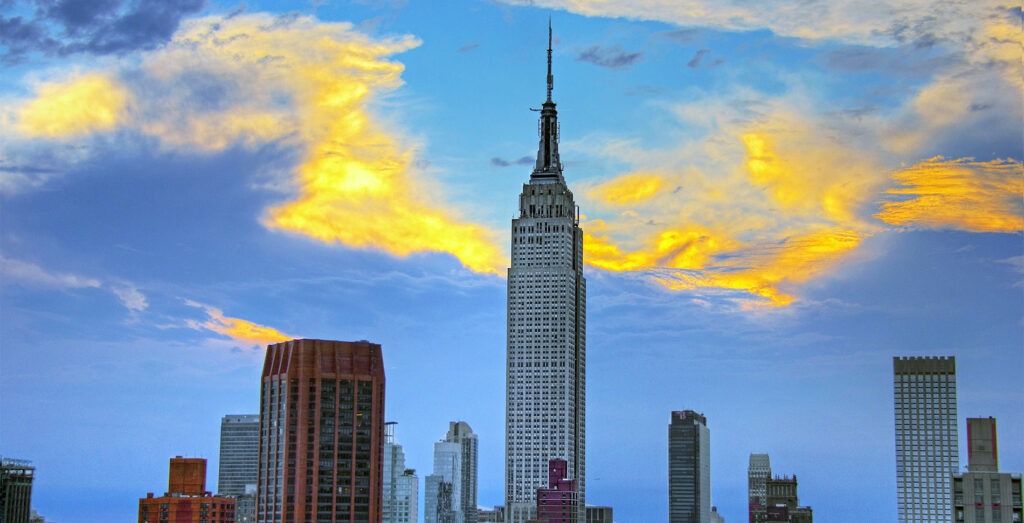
{"x": 771, "y": 212}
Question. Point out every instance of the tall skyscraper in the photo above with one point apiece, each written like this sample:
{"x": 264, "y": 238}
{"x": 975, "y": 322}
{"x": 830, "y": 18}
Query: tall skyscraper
{"x": 983, "y": 494}
{"x": 186, "y": 499}
{"x": 461, "y": 433}
{"x": 321, "y": 432}
{"x": 239, "y": 453}
{"x": 15, "y": 490}
{"x": 689, "y": 468}
{"x": 758, "y": 472}
{"x": 545, "y": 400}
{"x": 239, "y": 462}
{"x": 401, "y": 486}
{"x": 927, "y": 450}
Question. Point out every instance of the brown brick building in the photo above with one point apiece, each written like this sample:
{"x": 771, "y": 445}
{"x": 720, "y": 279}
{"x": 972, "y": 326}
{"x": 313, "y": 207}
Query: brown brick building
{"x": 186, "y": 499}
{"x": 321, "y": 433}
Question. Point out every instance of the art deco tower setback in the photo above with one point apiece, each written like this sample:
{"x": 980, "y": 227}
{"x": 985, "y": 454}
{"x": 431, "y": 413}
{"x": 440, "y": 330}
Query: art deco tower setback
{"x": 927, "y": 449}
{"x": 321, "y": 433}
{"x": 545, "y": 395}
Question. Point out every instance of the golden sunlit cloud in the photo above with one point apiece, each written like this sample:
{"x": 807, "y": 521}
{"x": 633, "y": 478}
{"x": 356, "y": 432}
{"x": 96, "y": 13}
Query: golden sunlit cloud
{"x": 628, "y": 189}
{"x": 83, "y": 105}
{"x": 777, "y": 202}
{"x": 254, "y": 79}
{"x": 240, "y": 330}
{"x": 958, "y": 194}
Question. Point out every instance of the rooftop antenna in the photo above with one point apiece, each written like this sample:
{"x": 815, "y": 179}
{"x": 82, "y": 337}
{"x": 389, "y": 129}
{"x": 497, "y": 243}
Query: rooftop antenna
{"x": 551, "y": 77}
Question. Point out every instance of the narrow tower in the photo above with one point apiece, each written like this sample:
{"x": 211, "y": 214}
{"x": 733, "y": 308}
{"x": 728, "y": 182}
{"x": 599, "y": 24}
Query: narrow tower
{"x": 927, "y": 449}
{"x": 545, "y": 394}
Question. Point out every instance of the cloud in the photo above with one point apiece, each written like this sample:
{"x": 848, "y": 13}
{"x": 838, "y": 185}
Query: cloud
{"x": 252, "y": 79}
{"x": 697, "y": 57}
{"x": 82, "y": 105}
{"x": 916, "y": 22}
{"x": 30, "y": 274}
{"x": 242, "y": 331}
{"x": 767, "y": 200}
{"x": 958, "y": 194}
{"x": 62, "y": 27}
{"x": 130, "y": 297}
{"x": 501, "y": 162}
{"x": 611, "y": 57}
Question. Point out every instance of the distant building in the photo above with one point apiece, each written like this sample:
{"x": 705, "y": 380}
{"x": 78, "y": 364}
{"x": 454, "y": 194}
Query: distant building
{"x": 438, "y": 502}
{"x": 599, "y": 514}
{"x": 239, "y": 463}
{"x": 239, "y": 453}
{"x": 321, "y": 432}
{"x": 715, "y": 516}
{"x": 782, "y": 503}
{"x": 927, "y": 448}
{"x": 758, "y": 472}
{"x": 983, "y": 494}
{"x": 559, "y": 503}
{"x": 401, "y": 486}
{"x": 15, "y": 490}
{"x": 494, "y": 515}
{"x": 689, "y": 468}
{"x": 447, "y": 469}
{"x": 461, "y": 433}
{"x": 186, "y": 499}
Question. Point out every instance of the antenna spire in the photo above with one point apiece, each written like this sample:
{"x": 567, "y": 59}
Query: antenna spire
{"x": 551, "y": 77}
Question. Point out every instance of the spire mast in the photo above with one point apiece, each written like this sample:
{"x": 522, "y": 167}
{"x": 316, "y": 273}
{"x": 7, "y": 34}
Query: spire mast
{"x": 551, "y": 77}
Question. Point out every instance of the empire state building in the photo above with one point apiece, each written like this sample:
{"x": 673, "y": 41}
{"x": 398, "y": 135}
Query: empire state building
{"x": 545, "y": 383}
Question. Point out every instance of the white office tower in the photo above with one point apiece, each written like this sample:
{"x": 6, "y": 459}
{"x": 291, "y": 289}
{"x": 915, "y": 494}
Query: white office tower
{"x": 927, "y": 449}
{"x": 400, "y": 496}
{"x": 447, "y": 475}
{"x": 758, "y": 473}
{"x": 461, "y": 433}
{"x": 545, "y": 387}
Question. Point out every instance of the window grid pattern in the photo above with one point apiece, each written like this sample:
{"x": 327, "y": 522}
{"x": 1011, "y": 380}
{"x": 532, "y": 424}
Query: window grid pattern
{"x": 927, "y": 449}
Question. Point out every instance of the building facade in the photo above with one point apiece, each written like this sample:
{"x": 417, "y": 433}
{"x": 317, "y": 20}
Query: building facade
{"x": 758, "y": 472}
{"x": 983, "y": 494}
{"x": 16, "y": 477}
{"x": 400, "y": 498}
{"x": 461, "y": 433}
{"x": 558, "y": 503}
{"x": 239, "y": 453}
{"x": 545, "y": 409}
{"x": 689, "y": 468}
{"x": 782, "y": 505}
{"x": 927, "y": 448}
{"x": 186, "y": 499}
{"x": 447, "y": 470}
{"x": 597, "y": 514}
{"x": 321, "y": 433}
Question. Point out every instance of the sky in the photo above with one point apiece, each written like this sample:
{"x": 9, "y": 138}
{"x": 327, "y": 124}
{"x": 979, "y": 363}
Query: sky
{"x": 777, "y": 199}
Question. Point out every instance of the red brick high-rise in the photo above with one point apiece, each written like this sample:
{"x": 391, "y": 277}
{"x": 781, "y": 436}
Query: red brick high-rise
{"x": 186, "y": 499}
{"x": 321, "y": 433}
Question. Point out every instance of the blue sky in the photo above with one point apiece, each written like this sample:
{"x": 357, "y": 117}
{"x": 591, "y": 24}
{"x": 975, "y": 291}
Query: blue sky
{"x": 777, "y": 199}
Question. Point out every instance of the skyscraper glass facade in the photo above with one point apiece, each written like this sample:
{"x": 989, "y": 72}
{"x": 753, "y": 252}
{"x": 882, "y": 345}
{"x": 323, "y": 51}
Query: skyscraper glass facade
{"x": 927, "y": 449}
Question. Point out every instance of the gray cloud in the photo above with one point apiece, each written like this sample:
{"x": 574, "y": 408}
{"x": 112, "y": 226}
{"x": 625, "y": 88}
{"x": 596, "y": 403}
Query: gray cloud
{"x": 63, "y": 27}
{"x": 501, "y": 162}
{"x": 697, "y": 57}
{"x": 612, "y": 57}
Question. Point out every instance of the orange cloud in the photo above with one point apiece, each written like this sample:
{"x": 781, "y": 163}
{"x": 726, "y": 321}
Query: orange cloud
{"x": 82, "y": 105}
{"x": 301, "y": 82}
{"x": 958, "y": 194}
{"x": 628, "y": 189}
{"x": 240, "y": 330}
